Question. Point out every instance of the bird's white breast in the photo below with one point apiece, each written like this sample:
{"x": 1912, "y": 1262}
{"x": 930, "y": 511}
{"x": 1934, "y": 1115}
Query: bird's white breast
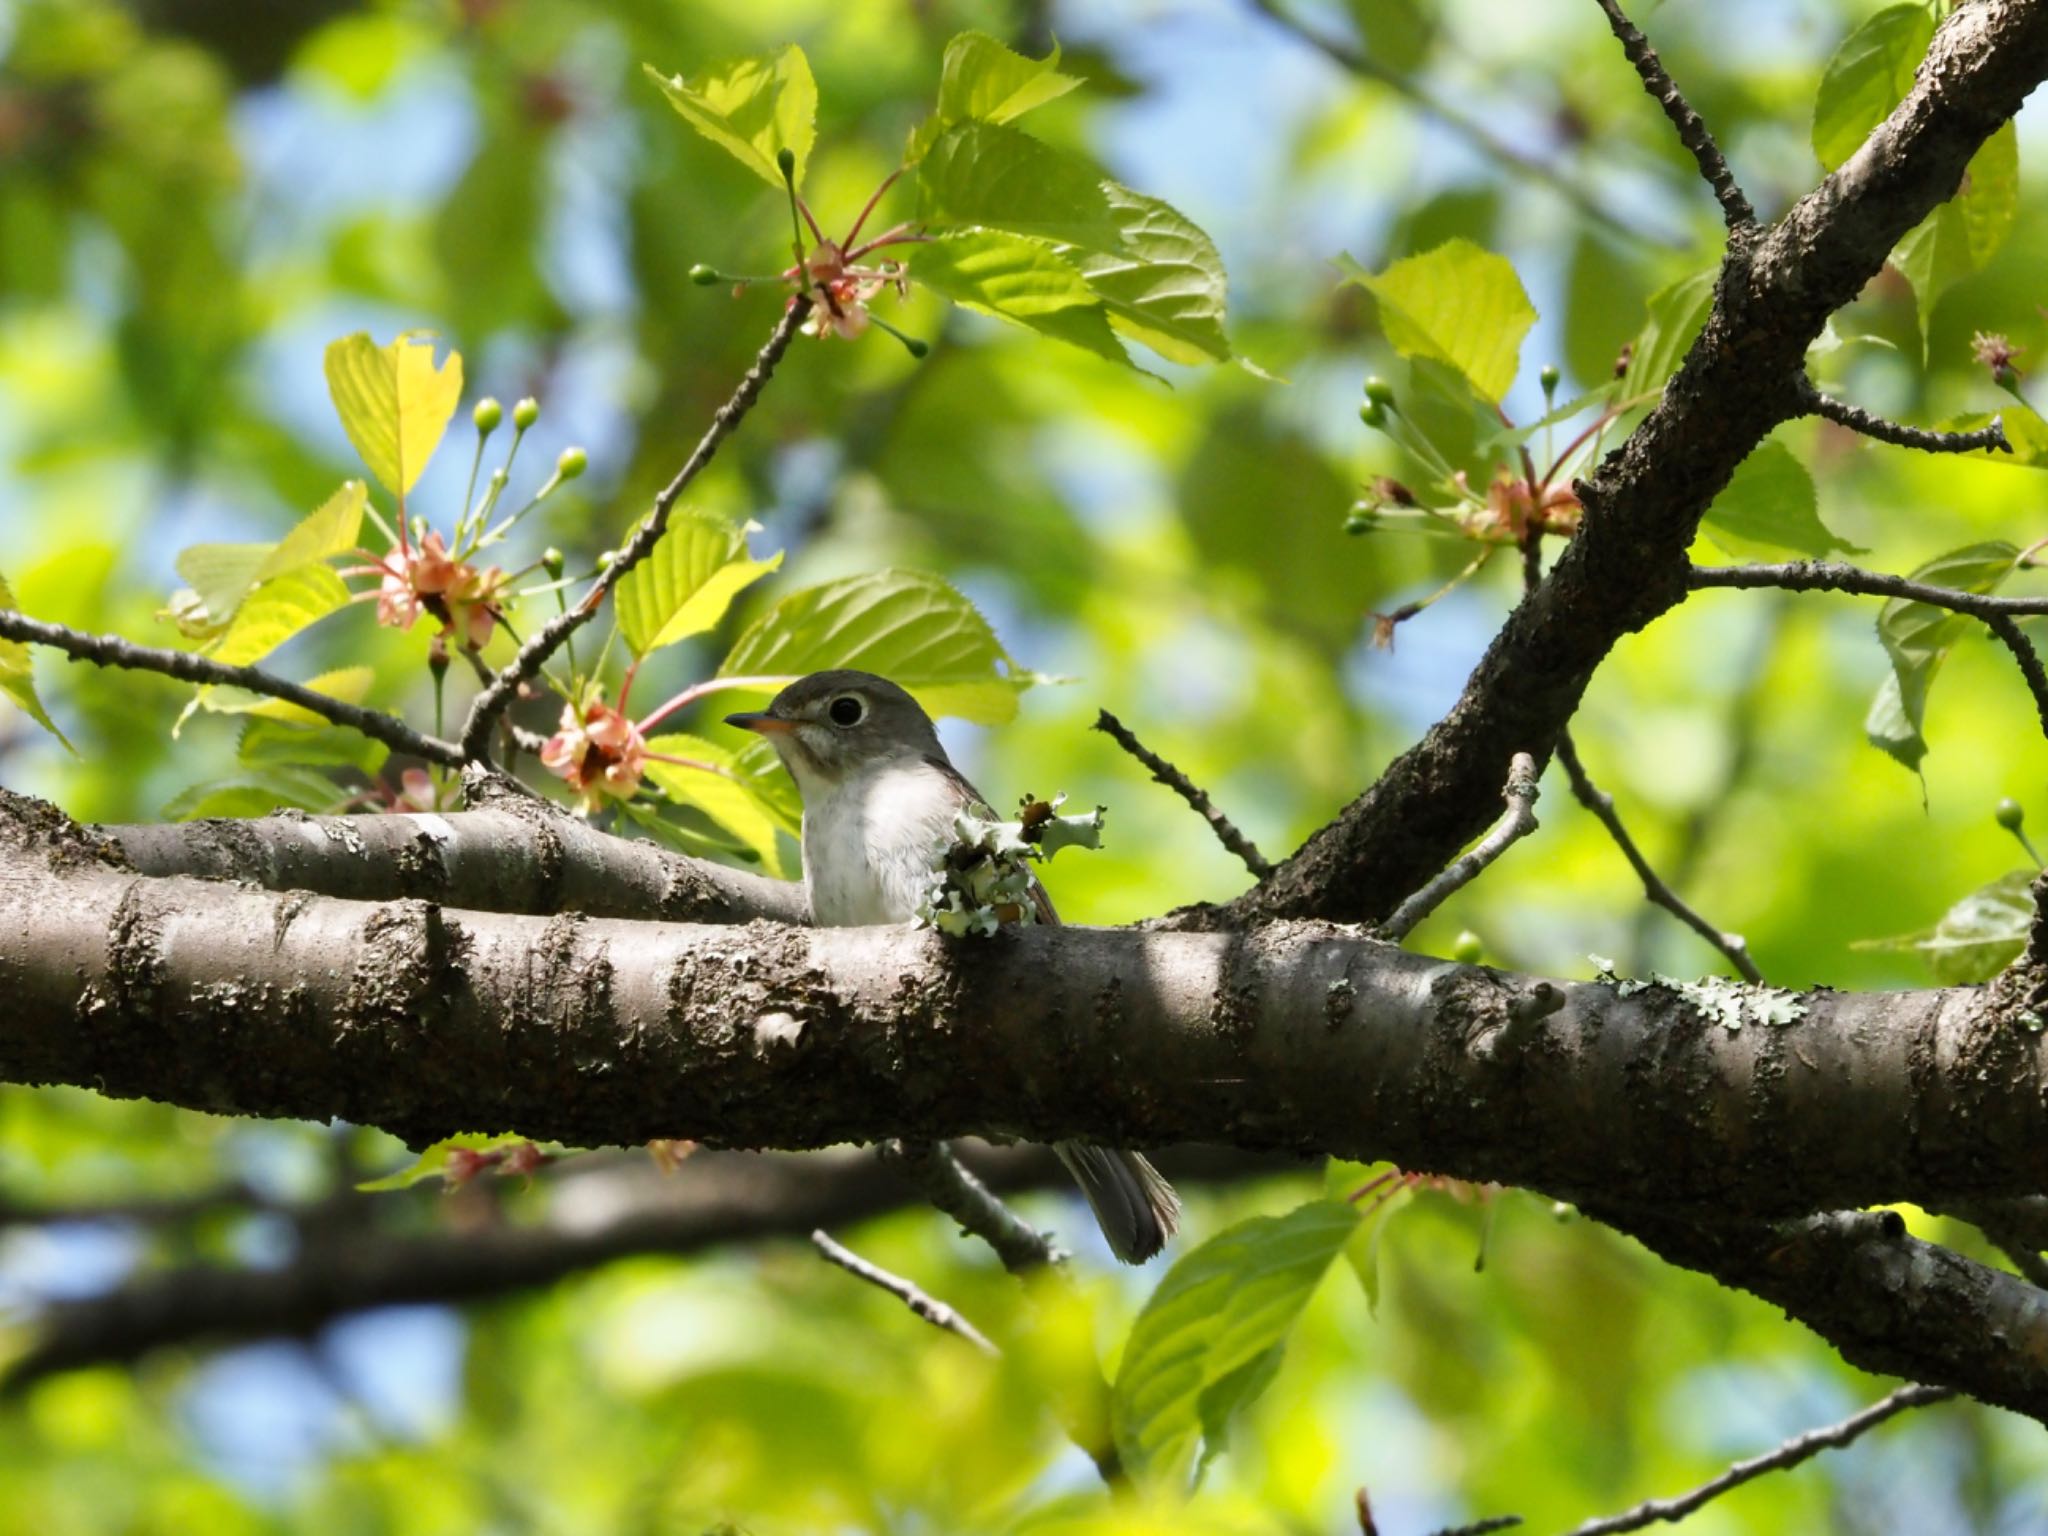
{"x": 869, "y": 842}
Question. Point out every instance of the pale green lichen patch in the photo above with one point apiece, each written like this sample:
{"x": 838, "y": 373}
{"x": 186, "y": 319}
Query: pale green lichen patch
{"x": 983, "y": 879}
{"x": 1715, "y": 999}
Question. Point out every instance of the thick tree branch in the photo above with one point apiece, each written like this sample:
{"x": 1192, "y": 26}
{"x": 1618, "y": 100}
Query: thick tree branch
{"x": 1692, "y": 132}
{"x": 1799, "y": 1448}
{"x": 1627, "y": 564}
{"x": 1197, "y": 798}
{"x": 189, "y": 667}
{"x": 1856, "y": 419}
{"x": 1595, "y": 799}
{"x": 495, "y": 699}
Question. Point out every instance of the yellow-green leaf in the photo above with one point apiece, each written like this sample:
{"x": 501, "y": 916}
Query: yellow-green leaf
{"x": 719, "y": 790}
{"x": 984, "y": 79}
{"x": 751, "y": 108}
{"x": 1023, "y": 281}
{"x": 393, "y": 401}
{"x": 222, "y": 575}
{"x": 279, "y": 609}
{"x": 348, "y": 684}
{"x": 1456, "y": 304}
{"x": 685, "y": 585}
{"x": 1868, "y": 76}
{"x": 18, "y": 679}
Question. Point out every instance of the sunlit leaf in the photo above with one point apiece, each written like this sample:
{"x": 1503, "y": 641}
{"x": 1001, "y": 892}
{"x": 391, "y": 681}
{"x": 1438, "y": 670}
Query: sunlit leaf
{"x": 1977, "y": 937}
{"x": 18, "y": 677}
{"x": 1964, "y": 233}
{"x": 753, "y": 109}
{"x": 434, "y": 1162}
{"x": 685, "y": 585}
{"x": 351, "y": 685}
{"x": 1918, "y": 637}
{"x": 224, "y": 574}
{"x": 1207, "y": 1340}
{"x": 909, "y": 626}
{"x": 278, "y": 610}
{"x": 1164, "y": 286}
{"x": 984, "y": 80}
{"x": 1024, "y": 281}
{"x": 393, "y": 402}
{"x": 1676, "y": 313}
{"x": 1869, "y": 74}
{"x": 1769, "y": 508}
{"x": 992, "y": 176}
{"x": 761, "y": 770}
{"x": 268, "y": 743}
{"x": 719, "y": 791}
{"x": 1457, "y": 304}
{"x": 257, "y": 792}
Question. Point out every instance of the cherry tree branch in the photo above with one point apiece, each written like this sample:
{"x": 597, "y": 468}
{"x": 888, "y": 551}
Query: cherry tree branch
{"x": 1795, "y": 1450}
{"x": 1516, "y": 823}
{"x": 1692, "y": 131}
{"x": 933, "y": 1311}
{"x": 190, "y": 667}
{"x": 1856, "y": 419}
{"x": 495, "y": 699}
{"x": 1197, "y": 798}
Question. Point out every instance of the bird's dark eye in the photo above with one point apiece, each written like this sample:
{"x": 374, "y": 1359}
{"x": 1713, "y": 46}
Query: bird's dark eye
{"x": 847, "y": 710}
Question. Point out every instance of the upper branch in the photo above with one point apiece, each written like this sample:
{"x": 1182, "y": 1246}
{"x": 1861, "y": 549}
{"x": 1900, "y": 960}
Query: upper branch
{"x": 532, "y": 656}
{"x": 1856, "y": 419}
{"x": 1692, "y": 131}
{"x": 190, "y": 667}
{"x": 1197, "y": 798}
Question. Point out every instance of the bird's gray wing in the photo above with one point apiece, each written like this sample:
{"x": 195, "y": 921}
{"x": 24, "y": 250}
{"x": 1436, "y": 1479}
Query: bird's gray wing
{"x": 973, "y": 799}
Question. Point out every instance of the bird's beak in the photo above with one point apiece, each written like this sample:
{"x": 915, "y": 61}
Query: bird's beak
{"x": 761, "y": 723}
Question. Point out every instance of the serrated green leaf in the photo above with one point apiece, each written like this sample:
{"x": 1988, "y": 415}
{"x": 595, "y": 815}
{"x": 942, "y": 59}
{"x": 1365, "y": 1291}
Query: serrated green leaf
{"x": 993, "y": 176}
{"x": 1964, "y": 233}
{"x": 18, "y": 676}
{"x": 1164, "y": 286}
{"x": 256, "y": 793}
{"x": 351, "y": 685}
{"x": 1869, "y": 74}
{"x": 1023, "y": 281}
{"x": 1918, "y": 636}
{"x": 983, "y": 80}
{"x": 673, "y": 834}
{"x": 685, "y": 585}
{"x": 222, "y": 575}
{"x": 1769, "y": 507}
{"x": 1457, "y": 304}
{"x": 1676, "y": 313}
{"x": 270, "y": 743}
{"x": 753, "y": 109}
{"x": 760, "y": 768}
{"x": 278, "y": 610}
{"x": 719, "y": 791}
{"x": 909, "y": 626}
{"x": 393, "y": 402}
{"x": 1195, "y": 1353}
{"x": 1977, "y": 937}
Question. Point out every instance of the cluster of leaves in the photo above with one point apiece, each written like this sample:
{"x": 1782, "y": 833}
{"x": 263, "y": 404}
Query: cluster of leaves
{"x": 1005, "y": 224}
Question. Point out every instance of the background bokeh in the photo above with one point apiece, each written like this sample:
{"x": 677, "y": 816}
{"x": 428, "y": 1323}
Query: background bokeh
{"x": 195, "y": 196}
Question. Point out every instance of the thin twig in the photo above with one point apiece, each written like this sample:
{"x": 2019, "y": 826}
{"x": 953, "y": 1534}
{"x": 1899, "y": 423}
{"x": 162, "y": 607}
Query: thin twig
{"x": 1466, "y": 125}
{"x": 1516, "y": 823}
{"x": 933, "y": 1311}
{"x": 1601, "y": 804}
{"x": 1165, "y": 773}
{"x": 1481, "y": 1527}
{"x": 950, "y": 1187}
{"x": 187, "y": 666}
{"x": 1790, "y": 1454}
{"x": 532, "y": 656}
{"x": 1692, "y": 132}
{"x": 1856, "y": 419}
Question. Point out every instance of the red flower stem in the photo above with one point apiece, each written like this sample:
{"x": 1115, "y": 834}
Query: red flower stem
{"x": 888, "y": 181}
{"x": 696, "y": 691}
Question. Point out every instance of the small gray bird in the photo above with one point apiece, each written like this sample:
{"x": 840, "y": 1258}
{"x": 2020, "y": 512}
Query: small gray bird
{"x": 879, "y": 799}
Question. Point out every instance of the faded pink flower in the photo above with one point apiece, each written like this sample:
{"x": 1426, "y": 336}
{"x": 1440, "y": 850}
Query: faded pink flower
{"x": 425, "y": 579}
{"x": 598, "y": 751}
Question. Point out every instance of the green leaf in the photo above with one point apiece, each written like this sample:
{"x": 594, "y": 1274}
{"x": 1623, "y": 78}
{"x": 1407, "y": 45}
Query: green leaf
{"x": 983, "y": 80}
{"x": 909, "y": 626}
{"x": 760, "y": 768}
{"x": 1964, "y": 233}
{"x": 1977, "y": 937}
{"x": 1164, "y": 286}
{"x": 1023, "y": 281}
{"x": 753, "y": 109}
{"x": 18, "y": 676}
{"x": 685, "y": 585}
{"x": 992, "y": 176}
{"x": 393, "y": 402}
{"x": 348, "y": 684}
{"x": 1918, "y": 636}
{"x": 270, "y": 743}
{"x": 1769, "y": 507}
{"x": 1200, "y": 1350}
{"x": 1677, "y": 312}
{"x": 278, "y": 610}
{"x": 720, "y": 792}
{"x": 1457, "y": 304}
{"x": 256, "y": 793}
{"x": 222, "y": 575}
{"x": 673, "y": 834}
{"x": 433, "y": 1163}
{"x": 1868, "y": 76}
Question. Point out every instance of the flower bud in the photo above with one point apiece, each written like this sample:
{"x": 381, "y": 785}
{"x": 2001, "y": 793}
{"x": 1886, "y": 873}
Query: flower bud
{"x": 487, "y": 415}
{"x": 1361, "y": 520}
{"x": 785, "y": 160}
{"x": 1372, "y": 413}
{"x": 2010, "y": 814}
{"x": 1466, "y": 948}
{"x": 573, "y": 462}
{"x": 705, "y": 277}
{"x": 526, "y": 413}
{"x": 1548, "y": 379}
{"x": 1379, "y": 391}
{"x": 552, "y": 561}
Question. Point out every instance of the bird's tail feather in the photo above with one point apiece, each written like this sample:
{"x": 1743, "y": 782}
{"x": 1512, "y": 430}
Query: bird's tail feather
{"x": 1133, "y": 1204}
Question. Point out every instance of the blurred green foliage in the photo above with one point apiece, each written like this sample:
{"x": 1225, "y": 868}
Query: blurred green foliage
{"x": 196, "y": 197}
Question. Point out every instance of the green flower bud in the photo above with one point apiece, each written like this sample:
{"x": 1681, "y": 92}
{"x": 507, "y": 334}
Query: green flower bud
{"x": 2010, "y": 814}
{"x": 552, "y": 561}
{"x": 1361, "y": 520}
{"x": 572, "y": 463}
{"x": 705, "y": 277}
{"x": 1372, "y": 413}
{"x": 526, "y": 413}
{"x": 1467, "y": 947}
{"x": 1548, "y": 379}
{"x": 487, "y": 415}
{"x": 785, "y": 160}
{"x": 1379, "y": 391}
